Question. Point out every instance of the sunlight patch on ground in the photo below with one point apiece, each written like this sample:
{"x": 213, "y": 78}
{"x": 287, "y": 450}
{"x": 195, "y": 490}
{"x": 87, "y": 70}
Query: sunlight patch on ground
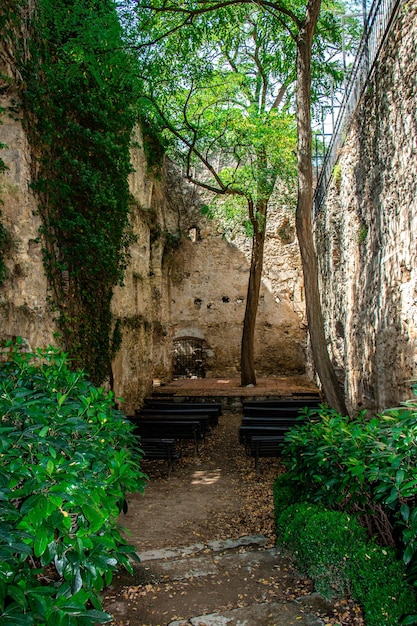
{"x": 202, "y": 477}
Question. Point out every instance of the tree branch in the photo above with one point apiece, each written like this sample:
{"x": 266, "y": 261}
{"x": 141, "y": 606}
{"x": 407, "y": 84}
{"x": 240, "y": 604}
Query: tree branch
{"x": 213, "y": 6}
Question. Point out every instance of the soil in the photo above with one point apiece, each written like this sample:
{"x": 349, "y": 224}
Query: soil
{"x": 215, "y": 495}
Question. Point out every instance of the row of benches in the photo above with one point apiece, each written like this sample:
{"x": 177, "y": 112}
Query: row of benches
{"x": 160, "y": 425}
{"x": 265, "y": 424}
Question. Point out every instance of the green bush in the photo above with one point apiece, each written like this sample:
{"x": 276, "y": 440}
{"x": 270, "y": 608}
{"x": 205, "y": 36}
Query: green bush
{"x": 68, "y": 460}
{"x": 285, "y": 493}
{"x": 343, "y": 470}
{"x": 378, "y": 583}
{"x": 322, "y": 542}
{"x": 365, "y": 466}
{"x": 332, "y": 548}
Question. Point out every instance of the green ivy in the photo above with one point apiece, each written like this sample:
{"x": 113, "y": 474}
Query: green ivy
{"x": 4, "y": 236}
{"x": 79, "y": 90}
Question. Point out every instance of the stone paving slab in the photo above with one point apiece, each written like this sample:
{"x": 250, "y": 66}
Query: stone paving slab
{"x": 270, "y": 614}
{"x": 236, "y": 582}
{"x": 220, "y": 545}
{"x": 206, "y": 565}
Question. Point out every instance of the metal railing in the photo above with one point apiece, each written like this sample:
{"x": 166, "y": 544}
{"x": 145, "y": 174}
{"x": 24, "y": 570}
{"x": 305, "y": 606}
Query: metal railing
{"x": 376, "y": 28}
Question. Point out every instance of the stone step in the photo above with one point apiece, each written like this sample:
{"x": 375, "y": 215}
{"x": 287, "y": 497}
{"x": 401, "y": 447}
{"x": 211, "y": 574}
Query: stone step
{"x": 254, "y": 541}
{"x": 253, "y": 577}
{"x": 265, "y": 614}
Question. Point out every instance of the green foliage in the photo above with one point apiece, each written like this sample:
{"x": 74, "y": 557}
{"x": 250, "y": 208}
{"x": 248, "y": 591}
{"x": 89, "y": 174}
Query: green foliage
{"x": 68, "y": 460}
{"x": 363, "y": 233}
{"x": 213, "y": 91}
{"x": 285, "y": 493}
{"x": 332, "y": 548}
{"x": 79, "y": 96}
{"x": 337, "y": 176}
{"x": 322, "y": 542}
{"x": 363, "y": 465}
{"x": 378, "y": 582}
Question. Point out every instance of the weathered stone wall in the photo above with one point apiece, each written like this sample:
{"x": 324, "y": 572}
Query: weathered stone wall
{"x": 208, "y": 280}
{"x": 164, "y": 209}
{"x": 366, "y": 233}
{"x": 24, "y": 308}
{"x": 173, "y": 287}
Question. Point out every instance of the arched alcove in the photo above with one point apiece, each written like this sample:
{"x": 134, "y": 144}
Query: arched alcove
{"x": 189, "y": 357}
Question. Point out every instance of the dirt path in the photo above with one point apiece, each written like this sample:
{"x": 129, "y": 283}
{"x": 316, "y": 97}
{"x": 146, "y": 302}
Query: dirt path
{"x": 214, "y": 496}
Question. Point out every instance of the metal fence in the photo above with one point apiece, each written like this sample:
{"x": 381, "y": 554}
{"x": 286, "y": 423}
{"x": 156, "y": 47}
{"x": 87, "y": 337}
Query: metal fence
{"x": 376, "y": 28}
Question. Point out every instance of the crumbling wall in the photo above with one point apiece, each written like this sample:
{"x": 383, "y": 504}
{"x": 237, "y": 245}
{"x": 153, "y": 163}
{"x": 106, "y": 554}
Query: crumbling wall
{"x": 172, "y": 286}
{"x": 209, "y": 280}
{"x": 366, "y": 233}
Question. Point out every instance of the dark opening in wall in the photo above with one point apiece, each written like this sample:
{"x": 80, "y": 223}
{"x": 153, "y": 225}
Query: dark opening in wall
{"x": 194, "y": 234}
{"x": 226, "y": 299}
{"x": 189, "y": 357}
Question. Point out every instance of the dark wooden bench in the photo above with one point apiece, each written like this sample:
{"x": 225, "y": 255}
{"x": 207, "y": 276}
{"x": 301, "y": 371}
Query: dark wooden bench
{"x": 269, "y": 446}
{"x": 153, "y": 428}
{"x": 180, "y": 413}
{"x": 160, "y": 449}
{"x": 162, "y": 404}
{"x": 248, "y": 431}
{"x": 203, "y": 419}
{"x": 262, "y": 411}
{"x": 280, "y": 405}
{"x": 280, "y": 422}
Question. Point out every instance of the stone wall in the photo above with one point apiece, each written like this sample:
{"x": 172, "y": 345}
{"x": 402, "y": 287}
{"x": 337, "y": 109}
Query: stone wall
{"x": 209, "y": 279}
{"x": 173, "y": 287}
{"x": 24, "y": 308}
{"x": 366, "y": 233}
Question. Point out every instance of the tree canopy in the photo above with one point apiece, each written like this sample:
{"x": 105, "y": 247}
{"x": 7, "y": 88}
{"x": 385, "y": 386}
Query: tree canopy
{"x": 293, "y": 50}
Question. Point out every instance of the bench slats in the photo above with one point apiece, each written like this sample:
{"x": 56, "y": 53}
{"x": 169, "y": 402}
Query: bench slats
{"x": 167, "y": 428}
{"x": 160, "y": 449}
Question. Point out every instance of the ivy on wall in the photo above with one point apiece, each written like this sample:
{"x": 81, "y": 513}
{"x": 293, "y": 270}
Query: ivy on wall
{"x": 78, "y": 99}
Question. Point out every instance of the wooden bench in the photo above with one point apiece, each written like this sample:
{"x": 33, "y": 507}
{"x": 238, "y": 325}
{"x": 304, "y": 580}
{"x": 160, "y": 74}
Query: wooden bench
{"x": 269, "y": 446}
{"x": 203, "y": 419}
{"x": 160, "y": 449}
{"x": 248, "y": 431}
{"x": 293, "y": 406}
{"x": 291, "y": 412}
{"x": 153, "y": 428}
{"x": 280, "y": 422}
{"x": 180, "y": 413}
{"x": 163, "y": 404}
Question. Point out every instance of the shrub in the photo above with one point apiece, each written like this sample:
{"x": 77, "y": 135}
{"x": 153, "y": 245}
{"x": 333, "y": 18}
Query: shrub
{"x": 365, "y": 466}
{"x": 378, "y": 583}
{"x": 68, "y": 460}
{"x": 332, "y": 548}
{"x": 285, "y": 493}
{"x": 322, "y": 541}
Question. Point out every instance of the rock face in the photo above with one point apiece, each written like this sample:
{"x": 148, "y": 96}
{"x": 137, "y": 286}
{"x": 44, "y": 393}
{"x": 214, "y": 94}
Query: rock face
{"x": 174, "y": 288}
{"x": 24, "y": 308}
{"x": 185, "y": 288}
{"x": 366, "y": 233}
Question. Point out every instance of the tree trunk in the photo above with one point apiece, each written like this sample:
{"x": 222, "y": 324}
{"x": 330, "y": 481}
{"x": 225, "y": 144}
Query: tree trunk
{"x": 323, "y": 365}
{"x": 247, "y": 353}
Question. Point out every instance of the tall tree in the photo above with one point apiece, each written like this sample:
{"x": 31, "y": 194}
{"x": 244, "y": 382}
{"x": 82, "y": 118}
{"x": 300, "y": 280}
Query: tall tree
{"x": 300, "y": 18}
{"x": 224, "y": 108}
